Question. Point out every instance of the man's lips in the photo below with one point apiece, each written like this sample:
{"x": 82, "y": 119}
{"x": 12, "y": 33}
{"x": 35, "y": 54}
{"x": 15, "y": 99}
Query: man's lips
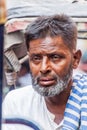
{"x": 46, "y": 81}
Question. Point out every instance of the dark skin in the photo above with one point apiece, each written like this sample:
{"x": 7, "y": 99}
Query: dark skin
{"x": 50, "y": 56}
{"x": 57, "y": 104}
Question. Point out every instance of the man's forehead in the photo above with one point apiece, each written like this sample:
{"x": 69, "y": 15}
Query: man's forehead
{"x": 47, "y": 41}
{"x": 48, "y": 45}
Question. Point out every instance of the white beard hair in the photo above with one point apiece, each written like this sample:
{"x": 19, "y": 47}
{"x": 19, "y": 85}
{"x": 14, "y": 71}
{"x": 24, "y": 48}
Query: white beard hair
{"x": 52, "y": 90}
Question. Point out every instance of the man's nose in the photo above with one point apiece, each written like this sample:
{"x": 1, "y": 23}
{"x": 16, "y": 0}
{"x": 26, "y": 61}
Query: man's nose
{"x": 45, "y": 66}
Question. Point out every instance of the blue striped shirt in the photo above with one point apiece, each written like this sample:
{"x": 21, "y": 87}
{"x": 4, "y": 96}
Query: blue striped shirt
{"x": 75, "y": 116}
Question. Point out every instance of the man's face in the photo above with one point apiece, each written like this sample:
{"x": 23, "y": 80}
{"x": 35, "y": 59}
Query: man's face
{"x": 50, "y": 64}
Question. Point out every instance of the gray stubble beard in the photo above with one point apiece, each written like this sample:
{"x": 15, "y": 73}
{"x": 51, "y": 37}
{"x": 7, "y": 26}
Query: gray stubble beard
{"x": 54, "y": 89}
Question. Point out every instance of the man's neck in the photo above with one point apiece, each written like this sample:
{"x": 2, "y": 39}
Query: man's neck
{"x": 61, "y": 98}
{"x": 57, "y": 104}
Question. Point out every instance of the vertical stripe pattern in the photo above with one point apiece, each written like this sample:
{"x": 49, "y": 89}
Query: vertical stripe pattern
{"x": 75, "y": 116}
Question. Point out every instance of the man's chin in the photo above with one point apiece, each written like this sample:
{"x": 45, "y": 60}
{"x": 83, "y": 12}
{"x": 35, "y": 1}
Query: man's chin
{"x": 48, "y": 91}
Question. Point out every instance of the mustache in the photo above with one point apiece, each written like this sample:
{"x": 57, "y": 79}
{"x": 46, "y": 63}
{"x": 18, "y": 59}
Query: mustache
{"x": 56, "y": 77}
{"x": 38, "y": 78}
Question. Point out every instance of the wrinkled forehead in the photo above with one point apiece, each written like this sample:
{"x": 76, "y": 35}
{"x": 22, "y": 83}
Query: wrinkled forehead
{"x": 48, "y": 43}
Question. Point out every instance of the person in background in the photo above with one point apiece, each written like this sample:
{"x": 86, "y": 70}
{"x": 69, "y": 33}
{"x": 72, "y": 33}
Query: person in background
{"x": 56, "y": 100}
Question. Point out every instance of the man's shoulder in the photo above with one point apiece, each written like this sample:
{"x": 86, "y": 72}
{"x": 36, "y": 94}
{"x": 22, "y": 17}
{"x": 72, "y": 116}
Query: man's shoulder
{"x": 21, "y": 93}
{"x": 20, "y": 102}
{"x": 80, "y": 80}
{"x": 22, "y": 90}
{"x": 80, "y": 76}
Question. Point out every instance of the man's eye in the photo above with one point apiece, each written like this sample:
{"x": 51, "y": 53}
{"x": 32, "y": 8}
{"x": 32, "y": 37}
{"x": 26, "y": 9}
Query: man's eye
{"x": 55, "y": 57}
{"x": 36, "y": 58}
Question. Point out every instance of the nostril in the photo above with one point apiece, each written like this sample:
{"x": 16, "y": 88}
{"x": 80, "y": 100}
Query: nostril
{"x": 45, "y": 71}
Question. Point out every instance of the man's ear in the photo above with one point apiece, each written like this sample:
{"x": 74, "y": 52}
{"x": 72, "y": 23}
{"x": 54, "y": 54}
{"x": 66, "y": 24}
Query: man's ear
{"x": 76, "y": 58}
